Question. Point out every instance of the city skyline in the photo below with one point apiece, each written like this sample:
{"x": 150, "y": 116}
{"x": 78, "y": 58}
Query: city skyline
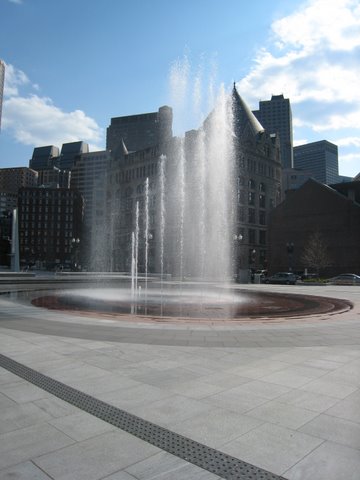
{"x": 84, "y": 64}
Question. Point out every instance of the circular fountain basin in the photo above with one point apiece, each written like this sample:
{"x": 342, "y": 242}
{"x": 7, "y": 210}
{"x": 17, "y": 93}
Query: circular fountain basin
{"x": 196, "y": 304}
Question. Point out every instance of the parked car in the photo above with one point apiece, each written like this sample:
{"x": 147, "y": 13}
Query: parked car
{"x": 345, "y": 279}
{"x": 309, "y": 276}
{"x": 261, "y": 275}
{"x": 284, "y": 278}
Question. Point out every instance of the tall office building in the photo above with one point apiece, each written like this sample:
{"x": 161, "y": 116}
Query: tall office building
{"x": 44, "y": 157}
{"x": 2, "y": 81}
{"x": 69, "y": 153}
{"x": 276, "y": 117}
{"x": 89, "y": 176}
{"x": 140, "y": 131}
{"x": 320, "y": 158}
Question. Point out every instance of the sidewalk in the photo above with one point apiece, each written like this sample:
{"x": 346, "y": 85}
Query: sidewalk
{"x": 284, "y": 397}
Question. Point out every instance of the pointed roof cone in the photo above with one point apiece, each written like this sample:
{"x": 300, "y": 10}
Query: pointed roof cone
{"x": 254, "y": 123}
{"x": 124, "y": 149}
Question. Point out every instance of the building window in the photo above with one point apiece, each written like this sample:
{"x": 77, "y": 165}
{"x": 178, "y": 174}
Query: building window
{"x": 241, "y": 214}
{"x": 262, "y": 259}
{"x": 241, "y": 197}
{"x": 262, "y": 237}
{"x": 251, "y": 215}
{"x": 252, "y": 184}
{"x": 251, "y": 198}
{"x": 261, "y": 201}
{"x": 252, "y": 235}
{"x": 262, "y": 217}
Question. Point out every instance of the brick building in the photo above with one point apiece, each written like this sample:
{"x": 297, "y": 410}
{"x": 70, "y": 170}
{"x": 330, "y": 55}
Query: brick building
{"x": 49, "y": 220}
{"x": 332, "y": 211}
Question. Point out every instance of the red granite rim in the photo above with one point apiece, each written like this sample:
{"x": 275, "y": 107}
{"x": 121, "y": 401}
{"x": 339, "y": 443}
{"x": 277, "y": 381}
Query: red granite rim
{"x": 261, "y": 306}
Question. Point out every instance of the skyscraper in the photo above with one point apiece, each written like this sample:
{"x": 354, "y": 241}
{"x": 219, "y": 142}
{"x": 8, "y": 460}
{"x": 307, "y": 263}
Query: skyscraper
{"x": 69, "y": 153}
{"x": 138, "y": 132}
{"x": 2, "y": 81}
{"x": 276, "y": 117}
{"x": 44, "y": 157}
{"x": 320, "y": 158}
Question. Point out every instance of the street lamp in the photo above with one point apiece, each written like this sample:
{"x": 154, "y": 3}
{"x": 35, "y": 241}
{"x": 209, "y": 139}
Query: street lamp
{"x": 253, "y": 258}
{"x": 237, "y": 238}
{"x": 290, "y": 252}
{"x": 74, "y": 246}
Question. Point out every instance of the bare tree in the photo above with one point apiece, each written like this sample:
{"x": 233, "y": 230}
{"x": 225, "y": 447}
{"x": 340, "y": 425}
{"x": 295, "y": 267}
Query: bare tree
{"x": 315, "y": 254}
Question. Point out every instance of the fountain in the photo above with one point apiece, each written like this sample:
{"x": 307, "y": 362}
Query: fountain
{"x": 180, "y": 249}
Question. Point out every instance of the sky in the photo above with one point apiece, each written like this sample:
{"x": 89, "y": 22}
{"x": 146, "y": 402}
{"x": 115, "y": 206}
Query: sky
{"x": 72, "y": 65}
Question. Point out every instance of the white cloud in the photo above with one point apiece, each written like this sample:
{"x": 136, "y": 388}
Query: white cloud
{"x": 36, "y": 121}
{"x": 350, "y": 120}
{"x": 312, "y": 58}
{"x": 14, "y": 79}
{"x": 18, "y": 2}
{"x": 321, "y": 24}
{"x": 300, "y": 141}
{"x": 314, "y": 55}
{"x": 348, "y": 141}
{"x": 350, "y": 157}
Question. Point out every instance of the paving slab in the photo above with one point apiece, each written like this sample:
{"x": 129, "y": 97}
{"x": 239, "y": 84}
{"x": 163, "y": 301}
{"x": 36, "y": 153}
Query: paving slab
{"x": 23, "y": 471}
{"x": 16, "y": 416}
{"x": 283, "y": 414}
{"x": 284, "y": 396}
{"x": 95, "y": 458}
{"x": 81, "y": 426}
{"x": 330, "y": 461}
{"x": 337, "y": 430}
{"x": 217, "y": 428}
{"x": 272, "y": 447}
{"x": 27, "y": 443}
{"x": 311, "y": 401}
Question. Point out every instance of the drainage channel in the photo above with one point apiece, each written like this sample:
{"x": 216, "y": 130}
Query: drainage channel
{"x": 209, "y": 459}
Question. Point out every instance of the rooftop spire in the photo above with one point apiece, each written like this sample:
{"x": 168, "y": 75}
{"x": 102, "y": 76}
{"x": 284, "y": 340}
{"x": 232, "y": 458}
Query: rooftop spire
{"x": 124, "y": 149}
{"x": 254, "y": 123}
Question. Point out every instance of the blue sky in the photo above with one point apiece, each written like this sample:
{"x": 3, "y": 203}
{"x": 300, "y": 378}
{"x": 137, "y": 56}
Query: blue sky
{"x": 74, "y": 64}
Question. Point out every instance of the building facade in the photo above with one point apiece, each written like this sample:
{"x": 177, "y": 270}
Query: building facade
{"x": 125, "y": 188}
{"x": 320, "y": 158}
{"x": 139, "y": 131}
{"x": 70, "y": 152}
{"x": 89, "y": 177}
{"x": 48, "y": 157}
{"x": 276, "y": 117}
{"x": 43, "y": 158}
{"x": 258, "y": 187}
{"x": 50, "y": 223}
{"x": 257, "y": 180}
{"x": 293, "y": 178}
{"x": 2, "y": 82}
{"x": 54, "y": 178}
{"x": 8, "y": 201}
{"x": 13, "y": 178}
{"x": 331, "y": 212}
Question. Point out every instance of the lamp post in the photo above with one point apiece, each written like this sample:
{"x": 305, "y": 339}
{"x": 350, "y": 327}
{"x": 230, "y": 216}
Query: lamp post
{"x": 253, "y": 264}
{"x": 290, "y": 252}
{"x": 237, "y": 238}
{"x": 75, "y": 242}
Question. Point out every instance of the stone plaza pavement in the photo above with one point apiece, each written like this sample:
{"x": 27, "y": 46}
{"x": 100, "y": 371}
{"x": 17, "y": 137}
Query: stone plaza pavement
{"x": 282, "y": 395}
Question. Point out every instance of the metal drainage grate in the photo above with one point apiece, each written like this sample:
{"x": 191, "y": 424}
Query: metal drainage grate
{"x": 214, "y": 461}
